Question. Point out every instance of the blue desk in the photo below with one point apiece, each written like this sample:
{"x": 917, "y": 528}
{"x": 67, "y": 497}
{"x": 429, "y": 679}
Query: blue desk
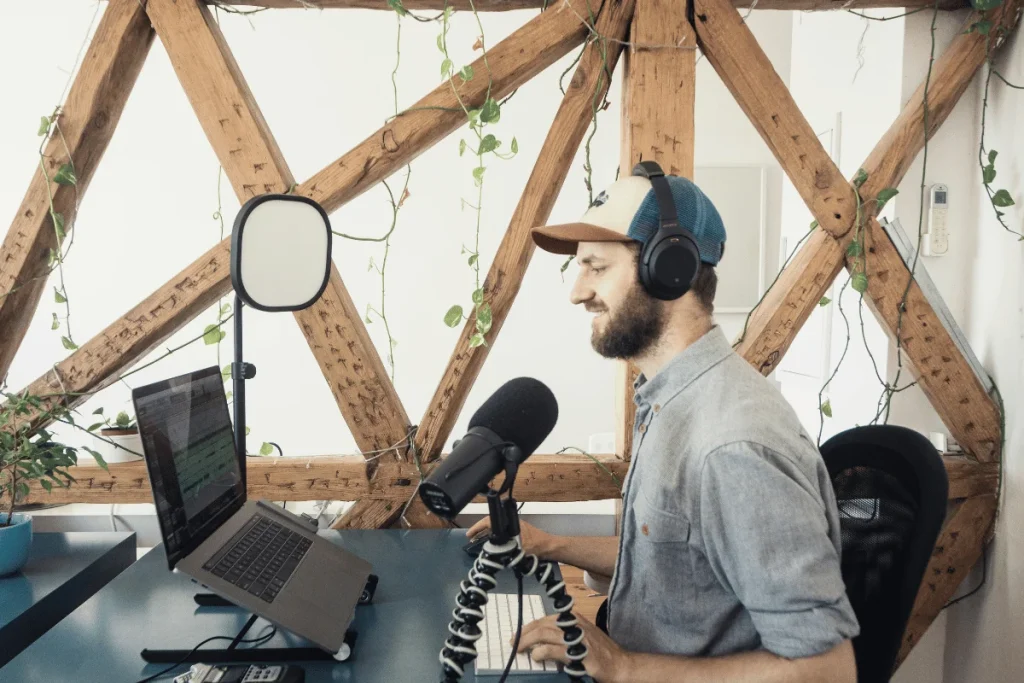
{"x": 400, "y": 634}
{"x": 63, "y": 571}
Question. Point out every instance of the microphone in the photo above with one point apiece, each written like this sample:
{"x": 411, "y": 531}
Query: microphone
{"x": 503, "y": 433}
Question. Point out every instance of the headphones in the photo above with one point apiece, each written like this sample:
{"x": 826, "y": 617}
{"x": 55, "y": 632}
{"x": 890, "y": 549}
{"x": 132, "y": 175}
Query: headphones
{"x": 669, "y": 260}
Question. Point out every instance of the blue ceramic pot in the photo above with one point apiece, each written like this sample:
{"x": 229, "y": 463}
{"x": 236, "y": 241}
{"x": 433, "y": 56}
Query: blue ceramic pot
{"x": 15, "y": 542}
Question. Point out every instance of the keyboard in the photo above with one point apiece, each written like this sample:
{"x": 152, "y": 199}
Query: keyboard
{"x": 260, "y": 558}
{"x": 499, "y": 629}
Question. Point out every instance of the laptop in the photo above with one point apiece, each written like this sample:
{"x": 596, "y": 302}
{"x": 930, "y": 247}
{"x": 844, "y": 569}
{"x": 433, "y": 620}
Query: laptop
{"x": 252, "y": 553}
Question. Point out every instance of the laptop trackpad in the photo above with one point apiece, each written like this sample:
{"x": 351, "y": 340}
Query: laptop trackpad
{"x": 321, "y": 594}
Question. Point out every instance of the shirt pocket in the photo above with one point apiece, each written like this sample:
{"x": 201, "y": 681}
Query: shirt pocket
{"x": 662, "y": 565}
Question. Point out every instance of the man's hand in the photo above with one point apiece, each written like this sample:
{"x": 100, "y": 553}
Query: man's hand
{"x": 534, "y": 541}
{"x": 605, "y": 661}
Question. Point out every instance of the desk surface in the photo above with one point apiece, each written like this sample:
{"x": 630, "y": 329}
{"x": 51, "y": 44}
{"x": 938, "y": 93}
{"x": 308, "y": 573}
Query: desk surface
{"x": 63, "y": 570}
{"x": 400, "y": 634}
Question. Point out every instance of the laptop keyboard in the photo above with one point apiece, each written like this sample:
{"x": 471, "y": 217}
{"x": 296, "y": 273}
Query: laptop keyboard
{"x": 260, "y": 558}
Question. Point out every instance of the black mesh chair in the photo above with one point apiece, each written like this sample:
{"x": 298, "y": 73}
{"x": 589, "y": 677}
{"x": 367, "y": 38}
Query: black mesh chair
{"x": 891, "y": 489}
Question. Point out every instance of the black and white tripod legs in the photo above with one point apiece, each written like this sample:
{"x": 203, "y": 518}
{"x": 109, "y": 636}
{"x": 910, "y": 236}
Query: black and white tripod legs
{"x": 460, "y": 647}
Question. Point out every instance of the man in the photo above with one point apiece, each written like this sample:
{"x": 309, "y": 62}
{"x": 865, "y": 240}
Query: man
{"x": 727, "y": 568}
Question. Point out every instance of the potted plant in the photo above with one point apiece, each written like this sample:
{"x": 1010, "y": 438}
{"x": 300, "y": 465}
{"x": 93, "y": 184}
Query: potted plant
{"x": 26, "y": 456}
{"x": 118, "y": 441}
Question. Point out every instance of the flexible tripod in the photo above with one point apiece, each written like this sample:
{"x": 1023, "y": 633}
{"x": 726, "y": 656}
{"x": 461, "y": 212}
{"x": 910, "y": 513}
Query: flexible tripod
{"x": 502, "y": 550}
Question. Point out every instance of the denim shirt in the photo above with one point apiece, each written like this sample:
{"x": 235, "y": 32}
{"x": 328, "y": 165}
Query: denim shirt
{"x": 730, "y": 535}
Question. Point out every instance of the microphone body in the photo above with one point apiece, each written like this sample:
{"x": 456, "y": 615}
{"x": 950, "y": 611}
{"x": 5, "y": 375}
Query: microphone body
{"x": 466, "y": 471}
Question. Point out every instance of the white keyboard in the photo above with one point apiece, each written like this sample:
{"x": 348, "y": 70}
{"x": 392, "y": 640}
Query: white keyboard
{"x": 499, "y": 629}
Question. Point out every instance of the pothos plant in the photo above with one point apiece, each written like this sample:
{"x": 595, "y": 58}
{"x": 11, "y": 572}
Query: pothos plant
{"x": 28, "y": 455}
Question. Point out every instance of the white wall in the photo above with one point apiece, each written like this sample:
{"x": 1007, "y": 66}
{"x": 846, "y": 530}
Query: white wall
{"x": 148, "y": 210}
{"x": 981, "y": 280}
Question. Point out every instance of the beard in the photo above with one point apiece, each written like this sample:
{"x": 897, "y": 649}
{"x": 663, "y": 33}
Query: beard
{"x": 633, "y": 328}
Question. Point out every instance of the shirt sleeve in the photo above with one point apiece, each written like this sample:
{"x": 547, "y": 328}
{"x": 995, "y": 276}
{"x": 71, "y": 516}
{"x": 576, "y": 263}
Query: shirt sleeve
{"x": 766, "y": 535}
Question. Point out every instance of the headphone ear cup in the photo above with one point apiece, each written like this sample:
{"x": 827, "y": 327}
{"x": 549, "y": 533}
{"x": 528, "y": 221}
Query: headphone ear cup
{"x": 668, "y": 266}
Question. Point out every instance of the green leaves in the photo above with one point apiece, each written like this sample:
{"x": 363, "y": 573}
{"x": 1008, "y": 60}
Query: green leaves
{"x": 58, "y": 225}
{"x": 56, "y": 323}
{"x": 47, "y": 486}
{"x": 225, "y": 372}
{"x": 225, "y": 309}
{"x": 123, "y": 420}
{"x": 825, "y": 301}
{"x": 66, "y": 175}
{"x": 483, "y": 319}
{"x": 478, "y": 174}
{"x": 466, "y": 73}
{"x": 213, "y": 335}
{"x": 885, "y": 195}
{"x": 982, "y": 5}
{"x": 992, "y": 156}
{"x": 855, "y": 249}
{"x": 462, "y": 147}
{"x": 860, "y": 282}
{"x": 988, "y": 174}
{"x": 440, "y": 42}
{"x": 99, "y": 458}
{"x": 454, "y": 316}
{"x": 44, "y": 125}
{"x": 472, "y": 260}
{"x": 477, "y": 340}
{"x": 489, "y": 143}
{"x": 68, "y": 344}
{"x": 491, "y": 112}
{"x": 266, "y": 449}
{"x": 478, "y": 297}
{"x": 515, "y": 145}
{"x": 859, "y": 179}
{"x": 398, "y": 7}
{"x": 983, "y": 27}
{"x": 1002, "y": 198}
{"x": 814, "y": 224}
{"x": 446, "y": 68}
{"x": 826, "y": 408}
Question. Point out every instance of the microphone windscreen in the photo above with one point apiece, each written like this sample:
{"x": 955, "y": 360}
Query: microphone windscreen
{"x": 523, "y": 411}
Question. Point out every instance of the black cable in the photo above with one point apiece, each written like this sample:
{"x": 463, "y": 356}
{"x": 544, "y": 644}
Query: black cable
{"x": 519, "y": 632}
{"x": 260, "y": 640}
{"x": 984, "y": 571}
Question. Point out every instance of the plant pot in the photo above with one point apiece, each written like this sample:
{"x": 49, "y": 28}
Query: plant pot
{"x": 15, "y": 543}
{"x": 124, "y": 442}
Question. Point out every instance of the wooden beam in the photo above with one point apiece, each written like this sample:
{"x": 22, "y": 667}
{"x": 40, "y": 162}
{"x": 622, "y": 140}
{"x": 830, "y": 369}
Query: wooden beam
{"x": 332, "y": 477}
{"x": 658, "y": 100}
{"x": 969, "y": 478}
{"x": 254, "y": 164}
{"x": 956, "y": 551}
{"x": 589, "y": 84}
{"x": 776, "y": 321}
{"x": 506, "y": 5}
{"x": 522, "y": 55}
{"x": 87, "y": 122}
{"x": 743, "y": 66}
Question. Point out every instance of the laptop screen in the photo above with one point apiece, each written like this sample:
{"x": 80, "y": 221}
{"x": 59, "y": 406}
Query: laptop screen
{"x": 188, "y": 441}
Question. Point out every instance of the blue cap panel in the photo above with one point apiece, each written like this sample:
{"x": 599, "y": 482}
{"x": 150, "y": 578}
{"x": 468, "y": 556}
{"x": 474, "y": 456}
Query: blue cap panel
{"x": 694, "y": 211}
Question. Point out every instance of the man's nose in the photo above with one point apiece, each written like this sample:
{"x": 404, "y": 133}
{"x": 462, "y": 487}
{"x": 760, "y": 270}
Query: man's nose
{"x": 580, "y": 292}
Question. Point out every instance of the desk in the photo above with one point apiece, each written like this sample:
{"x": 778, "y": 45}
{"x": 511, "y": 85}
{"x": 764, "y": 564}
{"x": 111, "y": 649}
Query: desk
{"x": 400, "y": 634}
{"x": 63, "y": 571}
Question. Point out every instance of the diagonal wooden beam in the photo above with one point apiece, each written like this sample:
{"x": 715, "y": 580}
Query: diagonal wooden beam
{"x": 957, "y": 550}
{"x": 775, "y": 322}
{"x": 86, "y": 124}
{"x": 506, "y": 5}
{"x": 589, "y": 84}
{"x": 658, "y": 100}
{"x": 97, "y": 363}
{"x": 254, "y": 164}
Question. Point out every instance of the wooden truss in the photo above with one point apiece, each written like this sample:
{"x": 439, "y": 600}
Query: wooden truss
{"x": 658, "y": 123}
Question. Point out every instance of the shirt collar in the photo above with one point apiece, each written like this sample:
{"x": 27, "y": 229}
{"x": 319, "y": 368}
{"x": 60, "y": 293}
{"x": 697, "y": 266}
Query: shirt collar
{"x": 683, "y": 369}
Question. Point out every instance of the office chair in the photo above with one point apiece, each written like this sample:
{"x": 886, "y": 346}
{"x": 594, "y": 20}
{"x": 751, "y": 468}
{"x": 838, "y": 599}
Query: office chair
{"x": 891, "y": 488}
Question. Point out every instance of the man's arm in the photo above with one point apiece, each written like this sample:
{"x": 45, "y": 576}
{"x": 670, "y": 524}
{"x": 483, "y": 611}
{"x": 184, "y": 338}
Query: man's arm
{"x": 835, "y": 666}
{"x": 595, "y": 554}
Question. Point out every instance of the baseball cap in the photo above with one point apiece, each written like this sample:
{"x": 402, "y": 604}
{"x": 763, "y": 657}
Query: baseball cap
{"x": 627, "y": 211}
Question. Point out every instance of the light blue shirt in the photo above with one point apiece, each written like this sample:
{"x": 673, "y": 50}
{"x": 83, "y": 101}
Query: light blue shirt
{"x": 730, "y": 535}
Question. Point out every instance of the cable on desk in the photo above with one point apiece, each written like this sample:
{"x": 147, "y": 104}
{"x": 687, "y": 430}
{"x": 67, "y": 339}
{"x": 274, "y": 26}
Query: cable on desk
{"x": 259, "y": 640}
{"x": 519, "y": 632}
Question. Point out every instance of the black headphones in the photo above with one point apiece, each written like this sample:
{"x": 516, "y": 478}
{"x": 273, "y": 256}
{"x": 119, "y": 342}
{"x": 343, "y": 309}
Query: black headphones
{"x": 669, "y": 260}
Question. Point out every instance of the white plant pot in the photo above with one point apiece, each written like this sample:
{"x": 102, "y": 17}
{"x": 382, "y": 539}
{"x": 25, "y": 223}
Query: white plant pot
{"x": 121, "y": 448}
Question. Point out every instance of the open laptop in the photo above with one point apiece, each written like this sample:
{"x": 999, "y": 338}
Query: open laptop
{"x": 252, "y": 553}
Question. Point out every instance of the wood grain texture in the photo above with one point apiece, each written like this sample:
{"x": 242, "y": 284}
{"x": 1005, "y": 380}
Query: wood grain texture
{"x": 743, "y": 66}
{"x": 86, "y": 123}
{"x": 550, "y": 478}
{"x": 942, "y": 372}
{"x": 506, "y": 5}
{"x": 255, "y": 165}
{"x": 589, "y": 83}
{"x": 658, "y": 100}
{"x": 969, "y": 478}
{"x": 776, "y": 321}
{"x": 522, "y": 55}
{"x": 957, "y": 550}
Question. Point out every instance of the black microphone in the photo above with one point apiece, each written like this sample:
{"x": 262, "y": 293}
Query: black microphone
{"x": 507, "y": 428}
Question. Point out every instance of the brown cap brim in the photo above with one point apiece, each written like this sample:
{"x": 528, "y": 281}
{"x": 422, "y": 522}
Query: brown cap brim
{"x": 563, "y": 239}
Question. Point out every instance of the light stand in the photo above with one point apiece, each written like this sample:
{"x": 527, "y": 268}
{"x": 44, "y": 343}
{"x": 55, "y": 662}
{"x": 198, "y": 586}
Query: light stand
{"x": 502, "y": 551}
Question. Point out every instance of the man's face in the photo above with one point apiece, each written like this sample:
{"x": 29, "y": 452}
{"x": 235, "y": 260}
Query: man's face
{"x": 627, "y": 322}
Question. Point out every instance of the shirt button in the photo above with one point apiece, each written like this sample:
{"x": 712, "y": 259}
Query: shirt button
{"x": 642, "y": 428}
{"x": 657, "y": 407}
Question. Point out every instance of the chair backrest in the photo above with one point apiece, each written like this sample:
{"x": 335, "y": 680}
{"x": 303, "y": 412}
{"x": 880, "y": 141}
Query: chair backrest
{"x": 891, "y": 489}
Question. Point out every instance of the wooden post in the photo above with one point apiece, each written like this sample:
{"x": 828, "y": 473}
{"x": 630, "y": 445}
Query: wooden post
{"x": 658, "y": 97}
{"x": 505, "y": 5}
{"x": 86, "y": 124}
{"x": 589, "y": 83}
